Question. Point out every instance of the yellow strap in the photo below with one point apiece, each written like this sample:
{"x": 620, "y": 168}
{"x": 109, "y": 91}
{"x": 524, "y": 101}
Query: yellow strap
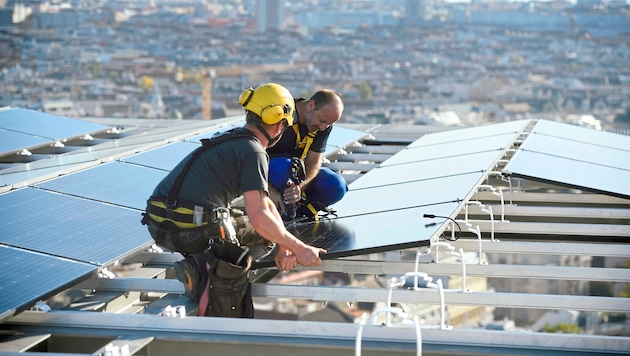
{"x": 179, "y": 224}
{"x": 180, "y": 210}
{"x": 308, "y": 140}
{"x": 313, "y": 210}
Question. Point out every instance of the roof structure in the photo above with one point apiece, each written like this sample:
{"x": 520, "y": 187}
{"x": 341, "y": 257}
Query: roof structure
{"x": 512, "y": 218}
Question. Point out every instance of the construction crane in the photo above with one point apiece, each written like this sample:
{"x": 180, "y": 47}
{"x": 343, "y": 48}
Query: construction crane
{"x": 206, "y": 94}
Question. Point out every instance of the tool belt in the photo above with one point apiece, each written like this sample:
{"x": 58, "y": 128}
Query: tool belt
{"x": 183, "y": 227}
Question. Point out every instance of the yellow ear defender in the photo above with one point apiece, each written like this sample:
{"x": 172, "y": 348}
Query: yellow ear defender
{"x": 271, "y": 101}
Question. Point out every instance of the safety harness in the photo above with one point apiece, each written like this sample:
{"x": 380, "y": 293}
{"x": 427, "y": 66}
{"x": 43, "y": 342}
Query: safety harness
{"x": 183, "y": 226}
{"x": 304, "y": 144}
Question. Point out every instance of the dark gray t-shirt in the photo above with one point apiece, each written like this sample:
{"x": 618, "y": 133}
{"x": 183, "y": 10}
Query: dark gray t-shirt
{"x": 221, "y": 173}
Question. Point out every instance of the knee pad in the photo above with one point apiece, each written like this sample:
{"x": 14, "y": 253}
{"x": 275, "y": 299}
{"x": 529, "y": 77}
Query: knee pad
{"x": 279, "y": 171}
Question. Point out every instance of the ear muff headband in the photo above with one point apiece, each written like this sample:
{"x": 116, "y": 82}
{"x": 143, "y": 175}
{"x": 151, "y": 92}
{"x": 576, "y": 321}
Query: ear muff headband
{"x": 246, "y": 96}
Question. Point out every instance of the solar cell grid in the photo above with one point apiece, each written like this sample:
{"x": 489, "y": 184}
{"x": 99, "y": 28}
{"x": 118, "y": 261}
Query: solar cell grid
{"x": 70, "y": 227}
{"x": 574, "y": 156}
{"x": 27, "y": 276}
{"x": 116, "y": 183}
{"x": 11, "y": 142}
{"x": 468, "y": 133}
{"x": 46, "y": 126}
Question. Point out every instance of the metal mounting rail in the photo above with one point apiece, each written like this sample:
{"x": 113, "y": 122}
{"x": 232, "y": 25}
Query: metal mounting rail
{"x": 547, "y": 248}
{"x": 492, "y": 270}
{"x": 545, "y": 228}
{"x": 352, "y": 294}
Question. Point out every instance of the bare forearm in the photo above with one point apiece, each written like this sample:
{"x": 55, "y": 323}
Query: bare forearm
{"x": 312, "y": 164}
{"x": 267, "y": 222}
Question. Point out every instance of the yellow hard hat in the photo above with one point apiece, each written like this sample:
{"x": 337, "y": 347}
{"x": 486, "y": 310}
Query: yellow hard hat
{"x": 271, "y": 101}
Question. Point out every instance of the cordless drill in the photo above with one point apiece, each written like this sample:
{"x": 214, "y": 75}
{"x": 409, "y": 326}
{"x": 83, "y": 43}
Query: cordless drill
{"x": 297, "y": 176}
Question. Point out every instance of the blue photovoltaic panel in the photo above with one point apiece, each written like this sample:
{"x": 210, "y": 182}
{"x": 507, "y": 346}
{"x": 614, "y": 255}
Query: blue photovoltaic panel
{"x": 582, "y": 134}
{"x": 197, "y": 139}
{"x": 117, "y": 183}
{"x": 512, "y": 127}
{"x": 379, "y": 231}
{"x": 428, "y": 192}
{"x": 383, "y": 210}
{"x": 165, "y": 157}
{"x": 580, "y": 151}
{"x": 400, "y": 173}
{"x": 45, "y": 125}
{"x": 28, "y": 277}
{"x": 441, "y": 151}
{"x": 576, "y": 157}
{"x": 52, "y": 166}
{"x": 576, "y": 174}
{"x": 341, "y": 137}
{"x": 15, "y": 141}
{"x": 70, "y": 227}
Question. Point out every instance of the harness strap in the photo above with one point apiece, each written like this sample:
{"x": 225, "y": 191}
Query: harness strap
{"x": 171, "y": 199}
{"x": 183, "y": 215}
{"x": 304, "y": 144}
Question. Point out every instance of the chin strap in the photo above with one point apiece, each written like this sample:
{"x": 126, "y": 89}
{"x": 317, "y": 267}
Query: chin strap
{"x": 271, "y": 141}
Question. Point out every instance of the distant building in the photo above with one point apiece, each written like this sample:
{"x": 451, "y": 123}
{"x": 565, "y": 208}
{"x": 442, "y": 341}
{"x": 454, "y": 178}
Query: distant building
{"x": 417, "y": 11}
{"x": 269, "y": 15}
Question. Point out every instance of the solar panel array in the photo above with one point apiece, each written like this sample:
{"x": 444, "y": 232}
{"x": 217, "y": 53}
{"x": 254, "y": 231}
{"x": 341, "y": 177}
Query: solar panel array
{"x": 383, "y": 210}
{"x": 77, "y": 223}
{"x": 22, "y": 128}
{"x": 433, "y": 175}
{"x": 65, "y": 229}
{"x": 576, "y": 157}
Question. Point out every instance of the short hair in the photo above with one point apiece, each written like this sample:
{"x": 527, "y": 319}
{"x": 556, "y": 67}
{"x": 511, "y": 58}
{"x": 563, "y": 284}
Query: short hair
{"x": 324, "y": 97}
{"x": 252, "y": 118}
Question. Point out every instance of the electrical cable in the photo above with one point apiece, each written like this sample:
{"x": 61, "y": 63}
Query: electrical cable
{"x": 432, "y": 216}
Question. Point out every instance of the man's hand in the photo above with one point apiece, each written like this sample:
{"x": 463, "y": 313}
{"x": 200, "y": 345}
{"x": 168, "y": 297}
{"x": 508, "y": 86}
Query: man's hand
{"x": 285, "y": 260}
{"x": 291, "y": 193}
{"x": 309, "y": 256}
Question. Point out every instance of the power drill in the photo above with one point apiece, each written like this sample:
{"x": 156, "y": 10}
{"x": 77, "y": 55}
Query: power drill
{"x": 297, "y": 176}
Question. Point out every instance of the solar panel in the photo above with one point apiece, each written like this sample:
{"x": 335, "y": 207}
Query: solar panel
{"x": 116, "y": 183}
{"x": 165, "y": 157}
{"x": 397, "y": 196}
{"x": 16, "y": 141}
{"x": 70, "y": 227}
{"x": 383, "y": 210}
{"x": 576, "y": 157}
{"x": 470, "y": 133}
{"x": 29, "y": 276}
{"x": 197, "y": 139}
{"x": 419, "y": 151}
{"x": 379, "y": 231}
{"x": 576, "y": 150}
{"x": 582, "y": 134}
{"x": 44, "y": 125}
{"x": 437, "y": 167}
{"x": 341, "y": 137}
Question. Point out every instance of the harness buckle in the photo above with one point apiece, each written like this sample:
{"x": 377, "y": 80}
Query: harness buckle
{"x": 169, "y": 204}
